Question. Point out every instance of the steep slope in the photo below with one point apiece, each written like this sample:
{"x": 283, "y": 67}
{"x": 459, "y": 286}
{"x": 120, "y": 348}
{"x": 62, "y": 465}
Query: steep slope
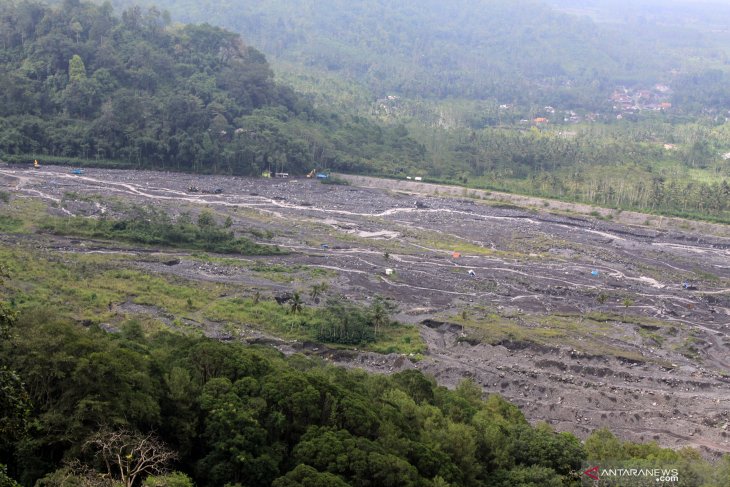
{"x": 78, "y": 83}
{"x": 515, "y": 51}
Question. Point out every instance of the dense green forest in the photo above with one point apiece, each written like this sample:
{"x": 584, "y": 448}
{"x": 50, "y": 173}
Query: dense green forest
{"x": 85, "y": 407}
{"x": 78, "y": 83}
{"x": 514, "y": 51}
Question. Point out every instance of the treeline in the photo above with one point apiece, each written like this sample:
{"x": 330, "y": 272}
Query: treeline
{"x": 230, "y": 414}
{"x": 651, "y": 166}
{"x": 78, "y": 82}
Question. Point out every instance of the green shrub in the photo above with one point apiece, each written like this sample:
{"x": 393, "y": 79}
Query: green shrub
{"x": 174, "y": 479}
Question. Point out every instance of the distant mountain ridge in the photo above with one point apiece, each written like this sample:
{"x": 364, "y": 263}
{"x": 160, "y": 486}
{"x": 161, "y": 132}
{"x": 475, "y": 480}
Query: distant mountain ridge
{"x": 704, "y": 14}
{"x": 511, "y": 50}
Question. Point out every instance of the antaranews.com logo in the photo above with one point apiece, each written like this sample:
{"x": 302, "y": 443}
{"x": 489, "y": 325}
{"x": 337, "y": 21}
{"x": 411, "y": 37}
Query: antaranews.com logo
{"x": 629, "y": 476}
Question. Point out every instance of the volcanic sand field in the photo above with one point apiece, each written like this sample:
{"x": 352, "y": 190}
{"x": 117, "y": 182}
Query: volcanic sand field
{"x": 583, "y": 322}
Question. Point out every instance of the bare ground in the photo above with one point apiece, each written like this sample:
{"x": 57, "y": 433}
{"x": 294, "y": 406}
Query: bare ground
{"x": 583, "y": 322}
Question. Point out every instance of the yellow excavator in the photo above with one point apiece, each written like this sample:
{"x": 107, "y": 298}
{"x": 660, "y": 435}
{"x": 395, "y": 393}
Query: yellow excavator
{"x": 36, "y": 164}
{"x": 312, "y": 173}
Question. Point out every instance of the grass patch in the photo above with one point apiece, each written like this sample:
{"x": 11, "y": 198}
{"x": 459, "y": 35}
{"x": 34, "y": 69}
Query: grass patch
{"x": 339, "y": 324}
{"x": 275, "y": 268}
{"x": 104, "y": 289}
{"x": 581, "y": 332}
{"x": 707, "y": 276}
{"x": 335, "y": 180}
{"x": 82, "y": 287}
{"x": 690, "y": 348}
{"x": 651, "y": 336}
{"x": 149, "y": 226}
{"x": 500, "y": 205}
{"x": 434, "y": 240}
{"x": 606, "y": 317}
{"x": 399, "y": 339}
{"x": 75, "y": 196}
{"x": 461, "y": 247}
{"x": 9, "y": 224}
{"x": 492, "y": 328}
{"x": 21, "y": 215}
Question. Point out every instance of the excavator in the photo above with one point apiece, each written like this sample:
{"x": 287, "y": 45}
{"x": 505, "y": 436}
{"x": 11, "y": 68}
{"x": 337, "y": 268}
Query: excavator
{"x": 311, "y": 173}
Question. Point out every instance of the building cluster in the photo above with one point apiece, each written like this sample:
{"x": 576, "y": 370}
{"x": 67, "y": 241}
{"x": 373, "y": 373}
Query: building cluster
{"x": 631, "y": 101}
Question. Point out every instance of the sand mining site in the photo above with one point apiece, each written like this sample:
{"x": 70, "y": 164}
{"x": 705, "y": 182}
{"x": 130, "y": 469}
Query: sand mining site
{"x": 618, "y": 320}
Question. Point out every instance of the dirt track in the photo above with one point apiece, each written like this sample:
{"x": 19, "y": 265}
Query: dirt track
{"x": 582, "y": 322}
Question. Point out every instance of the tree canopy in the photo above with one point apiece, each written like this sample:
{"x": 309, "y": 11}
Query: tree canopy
{"x": 77, "y": 82}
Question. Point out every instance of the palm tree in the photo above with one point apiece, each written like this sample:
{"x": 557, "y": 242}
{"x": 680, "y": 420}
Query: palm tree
{"x": 317, "y": 290}
{"x": 296, "y": 305}
{"x": 379, "y": 314}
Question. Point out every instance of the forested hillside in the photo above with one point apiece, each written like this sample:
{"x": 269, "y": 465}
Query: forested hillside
{"x": 515, "y": 51}
{"x": 698, "y": 13}
{"x": 78, "y": 83}
{"x": 236, "y": 415}
{"x": 85, "y": 407}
